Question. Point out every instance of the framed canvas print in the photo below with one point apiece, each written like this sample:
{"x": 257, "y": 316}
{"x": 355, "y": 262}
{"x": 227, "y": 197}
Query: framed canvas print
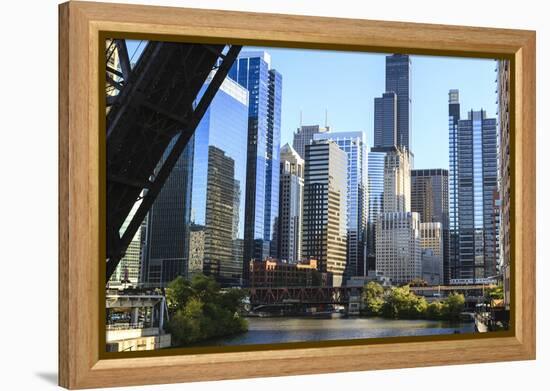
{"x": 244, "y": 193}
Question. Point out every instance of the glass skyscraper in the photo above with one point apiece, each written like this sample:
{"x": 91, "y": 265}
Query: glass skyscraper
{"x": 376, "y": 158}
{"x": 385, "y": 120}
{"x": 355, "y": 146}
{"x": 166, "y": 227}
{"x": 398, "y": 81}
{"x": 252, "y": 70}
{"x": 392, "y": 111}
{"x": 219, "y": 180}
{"x": 473, "y": 181}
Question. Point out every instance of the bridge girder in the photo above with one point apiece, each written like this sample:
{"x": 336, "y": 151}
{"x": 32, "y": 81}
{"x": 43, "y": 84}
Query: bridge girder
{"x": 157, "y": 102}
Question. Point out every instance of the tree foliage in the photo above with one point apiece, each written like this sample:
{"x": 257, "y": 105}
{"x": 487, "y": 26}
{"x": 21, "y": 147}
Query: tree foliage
{"x": 200, "y": 310}
{"x": 402, "y": 303}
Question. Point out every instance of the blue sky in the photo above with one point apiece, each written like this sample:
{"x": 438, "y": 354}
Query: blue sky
{"x": 346, "y": 83}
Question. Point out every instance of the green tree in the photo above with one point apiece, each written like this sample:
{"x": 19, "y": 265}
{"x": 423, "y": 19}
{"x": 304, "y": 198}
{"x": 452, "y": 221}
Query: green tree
{"x": 453, "y": 306}
{"x": 373, "y": 298}
{"x": 200, "y": 309}
{"x": 404, "y": 304}
{"x": 494, "y": 293}
{"x": 434, "y": 310}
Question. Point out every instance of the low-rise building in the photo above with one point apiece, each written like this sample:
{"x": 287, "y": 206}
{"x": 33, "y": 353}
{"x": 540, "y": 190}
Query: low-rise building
{"x": 274, "y": 273}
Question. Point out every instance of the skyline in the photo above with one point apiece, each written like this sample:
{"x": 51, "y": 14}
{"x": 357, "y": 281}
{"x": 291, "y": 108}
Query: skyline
{"x": 475, "y": 78}
{"x": 432, "y": 78}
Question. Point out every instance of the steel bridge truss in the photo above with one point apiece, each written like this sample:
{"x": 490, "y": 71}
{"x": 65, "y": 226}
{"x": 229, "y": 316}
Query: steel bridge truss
{"x": 302, "y": 295}
{"x": 149, "y": 105}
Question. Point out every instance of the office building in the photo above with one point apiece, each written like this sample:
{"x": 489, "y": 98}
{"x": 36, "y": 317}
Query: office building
{"x": 431, "y": 242}
{"x": 324, "y": 213}
{"x": 398, "y": 246}
{"x": 275, "y": 273}
{"x": 430, "y": 198}
{"x": 291, "y": 195}
{"x": 397, "y": 181}
{"x": 375, "y": 177}
{"x": 165, "y": 249}
{"x": 398, "y": 81}
{"x": 472, "y": 183}
{"x": 503, "y": 68}
{"x": 354, "y": 144}
{"x": 127, "y": 271}
{"x": 304, "y": 136}
{"x": 253, "y": 71}
{"x": 385, "y": 120}
{"x": 200, "y": 210}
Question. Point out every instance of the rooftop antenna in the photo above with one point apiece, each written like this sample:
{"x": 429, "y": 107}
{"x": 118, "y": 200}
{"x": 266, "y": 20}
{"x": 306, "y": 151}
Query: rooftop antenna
{"x": 326, "y": 118}
{"x": 300, "y": 118}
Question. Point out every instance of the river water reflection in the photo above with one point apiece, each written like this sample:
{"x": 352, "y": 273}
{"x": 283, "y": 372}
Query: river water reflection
{"x": 279, "y": 330}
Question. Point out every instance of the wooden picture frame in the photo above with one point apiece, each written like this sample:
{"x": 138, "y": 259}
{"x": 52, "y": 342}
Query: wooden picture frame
{"x": 81, "y": 24}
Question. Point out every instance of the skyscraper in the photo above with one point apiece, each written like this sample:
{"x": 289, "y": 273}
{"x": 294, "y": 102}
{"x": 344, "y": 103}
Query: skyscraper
{"x": 454, "y": 117}
{"x": 253, "y": 71}
{"x": 166, "y": 253}
{"x": 325, "y": 195}
{"x": 473, "y": 163}
{"x": 304, "y": 136}
{"x": 398, "y": 249}
{"x": 431, "y": 238}
{"x": 397, "y": 181}
{"x": 376, "y": 158}
{"x": 397, "y": 238}
{"x": 503, "y": 67}
{"x": 354, "y": 144}
{"x": 128, "y": 269}
{"x": 291, "y": 195}
{"x": 385, "y": 120}
{"x": 398, "y": 81}
{"x": 430, "y": 198}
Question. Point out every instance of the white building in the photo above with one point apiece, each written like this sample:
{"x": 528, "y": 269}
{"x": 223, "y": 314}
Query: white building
{"x": 398, "y": 249}
{"x": 291, "y": 193}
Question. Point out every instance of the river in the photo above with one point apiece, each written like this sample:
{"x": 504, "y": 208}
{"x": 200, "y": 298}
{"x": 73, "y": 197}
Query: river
{"x": 279, "y": 330}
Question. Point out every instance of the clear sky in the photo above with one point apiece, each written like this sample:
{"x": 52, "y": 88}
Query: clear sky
{"x": 346, "y": 83}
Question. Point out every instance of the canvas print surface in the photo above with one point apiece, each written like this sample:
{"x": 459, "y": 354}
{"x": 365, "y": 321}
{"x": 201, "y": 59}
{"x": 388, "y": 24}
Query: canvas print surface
{"x": 264, "y": 195}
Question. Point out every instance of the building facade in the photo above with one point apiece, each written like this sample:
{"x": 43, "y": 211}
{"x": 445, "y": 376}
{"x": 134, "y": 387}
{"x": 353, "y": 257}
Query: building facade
{"x": 473, "y": 181}
{"x": 398, "y": 248}
{"x": 504, "y": 184}
{"x": 397, "y": 181}
{"x": 165, "y": 252}
{"x": 432, "y": 244}
{"x": 304, "y": 136}
{"x": 430, "y": 198}
{"x": 385, "y": 120}
{"x": 291, "y": 195}
{"x": 253, "y": 71}
{"x": 127, "y": 272}
{"x": 219, "y": 183}
{"x": 324, "y": 212}
{"x": 354, "y": 145}
{"x": 376, "y": 159}
{"x": 398, "y": 81}
{"x": 274, "y": 273}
